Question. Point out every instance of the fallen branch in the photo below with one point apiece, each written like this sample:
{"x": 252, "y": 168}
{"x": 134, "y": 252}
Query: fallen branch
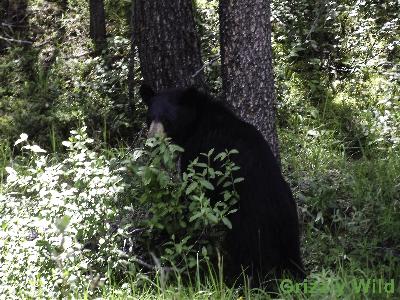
{"x": 149, "y": 266}
{"x": 12, "y": 25}
{"x": 26, "y": 42}
{"x": 143, "y": 263}
{"x": 77, "y": 56}
{"x": 43, "y": 43}
{"x": 16, "y": 41}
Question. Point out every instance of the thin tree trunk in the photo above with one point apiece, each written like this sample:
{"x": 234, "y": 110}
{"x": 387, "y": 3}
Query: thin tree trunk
{"x": 132, "y": 59}
{"x": 246, "y": 55}
{"x": 97, "y": 24}
{"x": 168, "y": 45}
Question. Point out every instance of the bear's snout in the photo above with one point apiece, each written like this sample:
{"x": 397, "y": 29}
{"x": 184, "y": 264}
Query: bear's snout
{"x": 156, "y": 128}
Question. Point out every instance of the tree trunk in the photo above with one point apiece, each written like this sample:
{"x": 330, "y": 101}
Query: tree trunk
{"x": 168, "y": 45}
{"x": 132, "y": 65}
{"x": 97, "y": 24}
{"x": 246, "y": 56}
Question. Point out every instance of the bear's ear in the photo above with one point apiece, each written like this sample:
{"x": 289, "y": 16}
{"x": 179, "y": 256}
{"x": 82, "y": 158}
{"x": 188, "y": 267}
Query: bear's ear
{"x": 190, "y": 96}
{"x": 146, "y": 92}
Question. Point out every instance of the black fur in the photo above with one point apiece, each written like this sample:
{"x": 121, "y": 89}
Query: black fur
{"x": 264, "y": 239}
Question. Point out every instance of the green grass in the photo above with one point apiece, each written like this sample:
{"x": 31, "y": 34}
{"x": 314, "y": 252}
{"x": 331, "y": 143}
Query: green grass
{"x": 350, "y": 211}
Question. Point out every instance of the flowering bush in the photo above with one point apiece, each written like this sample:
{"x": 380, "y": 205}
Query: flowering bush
{"x": 48, "y": 210}
{"x": 64, "y": 223}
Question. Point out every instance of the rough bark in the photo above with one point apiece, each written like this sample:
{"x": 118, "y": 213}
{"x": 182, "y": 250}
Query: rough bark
{"x": 168, "y": 45}
{"x": 246, "y": 56}
{"x": 97, "y": 24}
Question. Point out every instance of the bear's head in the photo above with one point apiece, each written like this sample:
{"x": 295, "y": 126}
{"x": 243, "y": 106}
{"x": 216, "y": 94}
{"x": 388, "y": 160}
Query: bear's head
{"x": 172, "y": 112}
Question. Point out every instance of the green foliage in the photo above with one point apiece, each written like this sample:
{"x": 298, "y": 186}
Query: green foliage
{"x": 184, "y": 224}
{"x": 65, "y": 222}
{"x": 349, "y": 208}
{"x": 336, "y": 67}
{"x": 49, "y": 210}
{"x": 54, "y": 84}
{"x": 338, "y": 111}
{"x": 206, "y": 17}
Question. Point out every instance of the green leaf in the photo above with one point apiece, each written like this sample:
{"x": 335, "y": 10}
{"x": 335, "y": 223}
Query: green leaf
{"x": 204, "y": 251}
{"x": 226, "y": 184}
{"x": 62, "y": 223}
{"x": 191, "y": 188}
{"x": 182, "y": 223}
{"x": 220, "y": 156}
{"x": 211, "y": 172}
{"x": 237, "y": 180}
{"x": 233, "y": 151}
{"x": 206, "y": 184}
{"x": 184, "y": 177}
{"x": 175, "y": 148}
{"x": 212, "y": 218}
{"x": 227, "y": 223}
{"x": 4, "y": 225}
{"x": 166, "y": 158}
{"x": 202, "y": 165}
{"x": 227, "y": 196}
{"x": 45, "y": 244}
{"x": 194, "y": 217}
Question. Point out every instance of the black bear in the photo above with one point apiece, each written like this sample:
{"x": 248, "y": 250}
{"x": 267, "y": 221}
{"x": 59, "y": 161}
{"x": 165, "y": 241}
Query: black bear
{"x": 264, "y": 239}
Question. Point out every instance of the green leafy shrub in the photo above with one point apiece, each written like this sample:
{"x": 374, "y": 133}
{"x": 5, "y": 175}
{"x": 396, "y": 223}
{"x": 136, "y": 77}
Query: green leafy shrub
{"x": 182, "y": 217}
{"x": 49, "y": 210}
{"x": 65, "y": 222}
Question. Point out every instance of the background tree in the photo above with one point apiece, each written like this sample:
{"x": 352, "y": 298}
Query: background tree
{"x": 168, "y": 44}
{"x": 97, "y": 24}
{"x": 246, "y": 57}
{"x": 133, "y": 66}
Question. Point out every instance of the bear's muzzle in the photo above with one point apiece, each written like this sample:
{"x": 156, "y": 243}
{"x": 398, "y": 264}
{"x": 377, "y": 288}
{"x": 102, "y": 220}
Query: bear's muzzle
{"x": 156, "y": 128}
